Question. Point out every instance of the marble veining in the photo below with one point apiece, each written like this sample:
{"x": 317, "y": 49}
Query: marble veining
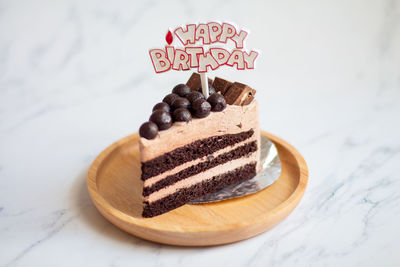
{"x": 75, "y": 76}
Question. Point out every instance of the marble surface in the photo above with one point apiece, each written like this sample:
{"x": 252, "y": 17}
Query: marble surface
{"x": 75, "y": 76}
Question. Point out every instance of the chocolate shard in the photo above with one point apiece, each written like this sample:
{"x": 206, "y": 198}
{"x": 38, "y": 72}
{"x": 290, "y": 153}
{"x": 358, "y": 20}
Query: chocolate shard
{"x": 221, "y": 85}
{"x": 239, "y": 94}
{"x": 194, "y": 81}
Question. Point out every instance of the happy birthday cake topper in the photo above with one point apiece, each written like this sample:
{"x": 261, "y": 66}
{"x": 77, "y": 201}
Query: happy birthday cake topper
{"x": 194, "y": 55}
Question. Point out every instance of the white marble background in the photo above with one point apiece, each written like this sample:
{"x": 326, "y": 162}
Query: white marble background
{"x": 75, "y": 76}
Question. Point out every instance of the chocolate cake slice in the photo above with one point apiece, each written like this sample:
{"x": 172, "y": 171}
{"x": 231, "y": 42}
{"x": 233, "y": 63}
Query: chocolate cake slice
{"x": 199, "y": 155}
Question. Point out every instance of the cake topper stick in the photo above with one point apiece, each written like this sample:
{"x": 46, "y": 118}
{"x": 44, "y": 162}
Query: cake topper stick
{"x": 204, "y": 84}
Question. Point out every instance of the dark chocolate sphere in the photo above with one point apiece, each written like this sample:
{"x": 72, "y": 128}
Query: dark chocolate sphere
{"x": 201, "y": 108}
{"x": 162, "y": 106}
{"x": 217, "y": 102}
{"x": 162, "y": 118}
{"x": 170, "y": 98}
{"x": 148, "y": 130}
{"x": 211, "y": 90}
{"x": 180, "y": 102}
{"x": 181, "y": 90}
{"x": 182, "y": 114}
{"x": 194, "y": 95}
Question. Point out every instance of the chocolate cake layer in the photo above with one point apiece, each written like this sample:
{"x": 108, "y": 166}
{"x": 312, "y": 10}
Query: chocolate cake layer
{"x": 239, "y": 152}
{"x": 190, "y": 152}
{"x": 185, "y": 195}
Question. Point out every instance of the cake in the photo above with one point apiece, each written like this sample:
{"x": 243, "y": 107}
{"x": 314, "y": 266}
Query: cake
{"x": 192, "y": 146}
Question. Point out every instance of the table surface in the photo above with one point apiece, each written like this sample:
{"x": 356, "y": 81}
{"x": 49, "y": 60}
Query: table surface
{"x": 75, "y": 76}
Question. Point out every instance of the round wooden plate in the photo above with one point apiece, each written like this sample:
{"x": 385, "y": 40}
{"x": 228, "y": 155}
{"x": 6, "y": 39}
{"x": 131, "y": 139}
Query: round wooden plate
{"x": 114, "y": 185}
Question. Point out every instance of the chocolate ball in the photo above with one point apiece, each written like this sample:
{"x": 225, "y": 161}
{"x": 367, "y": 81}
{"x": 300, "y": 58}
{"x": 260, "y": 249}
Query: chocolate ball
{"x": 211, "y": 90}
{"x": 162, "y": 106}
{"x": 217, "y": 102}
{"x": 193, "y": 96}
{"x": 148, "y": 130}
{"x": 180, "y": 102}
{"x": 170, "y": 98}
{"x": 162, "y": 118}
{"x": 181, "y": 90}
{"x": 182, "y": 114}
{"x": 201, "y": 108}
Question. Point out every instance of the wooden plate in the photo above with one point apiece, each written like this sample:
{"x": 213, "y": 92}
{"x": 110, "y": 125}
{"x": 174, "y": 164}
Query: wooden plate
{"x": 113, "y": 183}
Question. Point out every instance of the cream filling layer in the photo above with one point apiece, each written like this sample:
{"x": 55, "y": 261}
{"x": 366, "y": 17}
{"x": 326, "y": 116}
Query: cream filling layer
{"x": 203, "y": 176}
{"x": 149, "y": 182}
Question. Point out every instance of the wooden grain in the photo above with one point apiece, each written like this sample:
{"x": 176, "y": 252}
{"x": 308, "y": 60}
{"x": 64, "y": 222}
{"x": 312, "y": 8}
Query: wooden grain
{"x": 115, "y": 187}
